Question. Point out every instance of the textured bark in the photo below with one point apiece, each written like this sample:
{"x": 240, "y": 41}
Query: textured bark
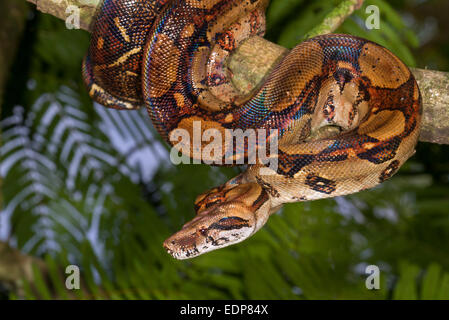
{"x": 254, "y": 59}
{"x": 335, "y": 18}
{"x": 248, "y": 70}
{"x": 62, "y": 9}
{"x": 434, "y": 86}
{"x": 15, "y": 267}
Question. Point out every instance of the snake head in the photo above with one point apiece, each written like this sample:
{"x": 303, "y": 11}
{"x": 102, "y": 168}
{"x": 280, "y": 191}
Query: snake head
{"x": 226, "y": 215}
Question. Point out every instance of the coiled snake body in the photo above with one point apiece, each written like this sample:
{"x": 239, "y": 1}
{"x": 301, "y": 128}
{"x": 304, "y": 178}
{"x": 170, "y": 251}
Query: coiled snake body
{"x": 170, "y": 56}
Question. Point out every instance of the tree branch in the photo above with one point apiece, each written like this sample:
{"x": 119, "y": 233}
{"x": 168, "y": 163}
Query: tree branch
{"x": 62, "y": 9}
{"x": 254, "y": 59}
{"x": 15, "y": 267}
{"x": 335, "y": 18}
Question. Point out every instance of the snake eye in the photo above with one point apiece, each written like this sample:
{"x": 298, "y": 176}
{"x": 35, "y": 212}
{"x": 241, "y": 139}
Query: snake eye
{"x": 203, "y": 231}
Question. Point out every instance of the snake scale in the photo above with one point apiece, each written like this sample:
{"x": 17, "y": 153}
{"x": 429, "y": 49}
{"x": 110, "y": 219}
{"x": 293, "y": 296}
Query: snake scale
{"x": 170, "y": 56}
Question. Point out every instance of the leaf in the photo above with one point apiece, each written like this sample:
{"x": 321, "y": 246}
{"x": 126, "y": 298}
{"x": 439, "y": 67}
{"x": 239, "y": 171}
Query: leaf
{"x": 430, "y": 283}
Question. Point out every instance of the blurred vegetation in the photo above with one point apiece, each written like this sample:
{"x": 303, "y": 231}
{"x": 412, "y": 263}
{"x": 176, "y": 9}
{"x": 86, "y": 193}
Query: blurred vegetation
{"x": 76, "y": 191}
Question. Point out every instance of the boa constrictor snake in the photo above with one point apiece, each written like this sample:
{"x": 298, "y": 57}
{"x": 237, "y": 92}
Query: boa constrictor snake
{"x": 170, "y": 56}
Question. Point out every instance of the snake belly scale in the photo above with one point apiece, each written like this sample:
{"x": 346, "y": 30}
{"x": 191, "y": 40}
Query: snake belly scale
{"x": 170, "y": 56}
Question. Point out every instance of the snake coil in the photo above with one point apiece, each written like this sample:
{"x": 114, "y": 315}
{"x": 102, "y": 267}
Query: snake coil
{"x": 170, "y": 56}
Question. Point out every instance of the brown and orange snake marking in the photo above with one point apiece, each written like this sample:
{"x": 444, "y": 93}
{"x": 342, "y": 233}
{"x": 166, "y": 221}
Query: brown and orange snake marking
{"x": 170, "y": 55}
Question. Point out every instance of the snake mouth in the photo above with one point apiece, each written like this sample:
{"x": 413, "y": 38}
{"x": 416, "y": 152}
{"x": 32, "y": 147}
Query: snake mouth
{"x": 182, "y": 246}
{"x": 194, "y": 239}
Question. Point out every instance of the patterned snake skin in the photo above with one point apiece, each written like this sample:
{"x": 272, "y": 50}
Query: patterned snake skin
{"x": 170, "y": 56}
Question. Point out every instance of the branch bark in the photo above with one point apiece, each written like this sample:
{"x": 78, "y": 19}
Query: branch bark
{"x": 15, "y": 267}
{"x": 63, "y": 9}
{"x": 335, "y": 18}
{"x": 254, "y": 59}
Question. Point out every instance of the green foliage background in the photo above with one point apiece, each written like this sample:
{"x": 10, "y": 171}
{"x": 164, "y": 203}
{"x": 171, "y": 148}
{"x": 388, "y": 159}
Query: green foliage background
{"x": 73, "y": 198}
